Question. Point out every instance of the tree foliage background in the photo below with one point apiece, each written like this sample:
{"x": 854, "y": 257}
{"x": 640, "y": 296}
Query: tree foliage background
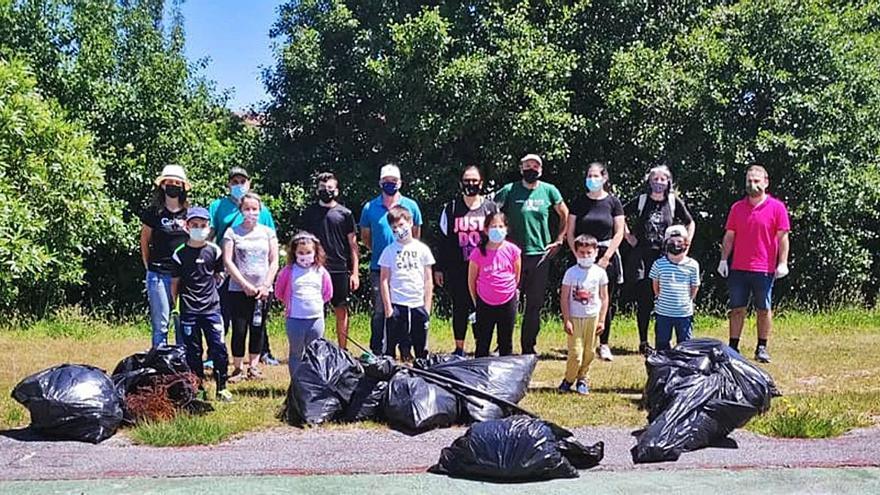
{"x": 97, "y": 95}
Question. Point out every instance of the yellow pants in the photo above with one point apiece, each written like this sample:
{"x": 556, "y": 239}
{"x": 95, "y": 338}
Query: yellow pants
{"x": 581, "y": 348}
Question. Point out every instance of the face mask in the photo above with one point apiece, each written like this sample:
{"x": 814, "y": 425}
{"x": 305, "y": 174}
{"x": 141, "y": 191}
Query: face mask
{"x": 657, "y": 187}
{"x": 326, "y": 196}
{"x": 238, "y": 191}
{"x": 199, "y": 234}
{"x": 586, "y": 262}
{"x": 173, "y": 191}
{"x": 530, "y": 175}
{"x": 471, "y": 189}
{"x": 594, "y": 184}
{"x": 251, "y": 216}
{"x": 390, "y": 188}
{"x": 401, "y": 233}
{"x": 753, "y": 189}
{"x": 305, "y": 260}
{"x": 497, "y": 234}
{"x": 675, "y": 248}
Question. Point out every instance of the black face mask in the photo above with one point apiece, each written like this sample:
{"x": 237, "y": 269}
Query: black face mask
{"x": 530, "y": 175}
{"x": 675, "y": 248}
{"x": 327, "y": 196}
{"x": 174, "y": 191}
{"x": 471, "y": 189}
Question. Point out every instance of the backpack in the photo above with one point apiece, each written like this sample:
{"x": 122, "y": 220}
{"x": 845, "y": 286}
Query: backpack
{"x": 643, "y": 198}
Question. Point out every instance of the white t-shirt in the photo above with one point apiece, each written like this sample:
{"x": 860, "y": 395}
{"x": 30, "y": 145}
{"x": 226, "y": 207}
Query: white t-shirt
{"x": 407, "y": 264}
{"x": 250, "y": 253}
{"x": 585, "y": 284}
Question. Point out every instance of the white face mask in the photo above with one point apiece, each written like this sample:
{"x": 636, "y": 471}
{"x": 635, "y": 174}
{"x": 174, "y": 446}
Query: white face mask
{"x": 586, "y": 262}
{"x": 305, "y": 260}
{"x": 199, "y": 234}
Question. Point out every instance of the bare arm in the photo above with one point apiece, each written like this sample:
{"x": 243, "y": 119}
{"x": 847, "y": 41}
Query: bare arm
{"x": 417, "y": 231}
{"x": 355, "y": 281}
{"x": 175, "y": 288}
{"x": 603, "y": 295}
{"x": 692, "y": 229}
{"x": 385, "y": 290}
{"x": 569, "y": 232}
{"x": 146, "y": 233}
{"x": 473, "y": 271}
{"x": 727, "y": 244}
{"x": 562, "y": 211}
{"x": 619, "y": 230}
{"x": 232, "y": 270}
{"x": 367, "y": 238}
{"x": 273, "y": 267}
{"x": 694, "y": 290}
{"x": 565, "y": 303}
{"x": 656, "y": 285}
{"x": 782, "y": 256}
{"x": 429, "y": 289}
{"x": 517, "y": 267}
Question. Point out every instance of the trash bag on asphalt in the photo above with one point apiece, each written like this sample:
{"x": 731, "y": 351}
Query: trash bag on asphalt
{"x": 516, "y": 449}
{"x": 165, "y": 359}
{"x": 71, "y": 402}
{"x": 505, "y": 377}
{"x": 697, "y": 393}
{"x": 367, "y": 399}
{"x": 322, "y": 384}
{"x": 414, "y": 405}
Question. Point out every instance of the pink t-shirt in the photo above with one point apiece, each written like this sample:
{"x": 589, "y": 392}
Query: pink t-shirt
{"x": 496, "y": 280}
{"x": 756, "y": 244}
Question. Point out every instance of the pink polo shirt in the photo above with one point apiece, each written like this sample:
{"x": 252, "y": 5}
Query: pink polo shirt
{"x": 756, "y": 244}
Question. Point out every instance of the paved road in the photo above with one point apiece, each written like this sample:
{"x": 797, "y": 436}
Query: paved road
{"x": 289, "y": 451}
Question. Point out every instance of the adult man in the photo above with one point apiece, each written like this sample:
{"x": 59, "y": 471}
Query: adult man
{"x": 527, "y": 204}
{"x": 376, "y": 234}
{"x": 224, "y": 214}
{"x": 333, "y": 224}
{"x": 757, "y": 233}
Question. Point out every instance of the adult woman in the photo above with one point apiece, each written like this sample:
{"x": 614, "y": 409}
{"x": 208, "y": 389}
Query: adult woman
{"x": 652, "y": 212}
{"x": 600, "y": 214}
{"x": 163, "y": 229}
{"x": 461, "y": 222}
{"x": 250, "y": 253}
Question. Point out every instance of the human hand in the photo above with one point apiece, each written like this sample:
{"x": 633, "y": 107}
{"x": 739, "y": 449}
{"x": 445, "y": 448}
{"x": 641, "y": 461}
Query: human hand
{"x": 389, "y": 312}
{"x": 631, "y": 239}
{"x": 553, "y": 248}
{"x": 603, "y": 262}
{"x": 569, "y": 328}
{"x": 600, "y": 327}
{"x": 722, "y": 268}
{"x": 439, "y": 279}
{"x": 263, "y": 293}
{"x": 354, "y": 282}
{"x": 781, "y": 270}
{"x": 250, "y": 290}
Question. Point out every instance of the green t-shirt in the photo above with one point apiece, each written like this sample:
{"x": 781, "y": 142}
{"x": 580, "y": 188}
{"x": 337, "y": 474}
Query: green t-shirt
{"x": 528, "y": 211}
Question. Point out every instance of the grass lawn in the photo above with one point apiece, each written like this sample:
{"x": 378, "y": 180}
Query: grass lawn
{"x": 825, "y": 364}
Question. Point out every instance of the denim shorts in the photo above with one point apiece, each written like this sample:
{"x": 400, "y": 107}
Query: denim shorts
{"x": 742, "y": 284}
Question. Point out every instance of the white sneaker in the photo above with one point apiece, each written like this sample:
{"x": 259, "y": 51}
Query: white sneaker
{"x": 605, "y": 353}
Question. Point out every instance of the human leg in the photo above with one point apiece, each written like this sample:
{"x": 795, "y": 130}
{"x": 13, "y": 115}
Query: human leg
{"x": 377, "y": 323}
{"x": 505, "y": 319}
{"x": 662, "y": 332}
{"x": 159, "y": 300}
{"x": 535, "y": 288}
{"x": 212, "y": 328}
{"x": 588, "y": 331}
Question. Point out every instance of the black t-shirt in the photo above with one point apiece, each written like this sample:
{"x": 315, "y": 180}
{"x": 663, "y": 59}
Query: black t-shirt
{"x": 196, "y": 267}
{"x": 649, "y": 227}
{"x": 169, "y": 232}
{"x": 332, "y": 227}
{"x": 460, "y": 229}
{"x": 596, "y": 217}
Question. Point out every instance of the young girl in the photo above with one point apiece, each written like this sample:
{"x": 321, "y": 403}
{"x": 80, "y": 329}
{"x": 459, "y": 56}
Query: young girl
{"x": 493, "y": 277}
{"x": 304, "y": 286}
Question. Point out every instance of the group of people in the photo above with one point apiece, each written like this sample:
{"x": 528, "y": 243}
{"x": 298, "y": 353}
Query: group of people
{"x": 492, "y": 257}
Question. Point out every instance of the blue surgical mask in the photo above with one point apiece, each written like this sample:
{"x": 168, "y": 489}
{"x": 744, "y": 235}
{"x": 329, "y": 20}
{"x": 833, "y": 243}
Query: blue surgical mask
{"x": 497, "y": 234}
{"x": 594, "y": 184}
{"x": 238, "y": 191}
{"x": 199, "y": 234}
{"x": 390, "y": 188}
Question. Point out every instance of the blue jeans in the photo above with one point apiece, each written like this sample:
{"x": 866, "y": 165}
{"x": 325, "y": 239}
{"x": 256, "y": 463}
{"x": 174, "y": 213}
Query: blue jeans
{"x": 193, "y": 328}
{"x": 159, "y": 299}
{"x": 684, "y": 327}
{"x": 300, "y": 333}
{"x": 742, "y": 284}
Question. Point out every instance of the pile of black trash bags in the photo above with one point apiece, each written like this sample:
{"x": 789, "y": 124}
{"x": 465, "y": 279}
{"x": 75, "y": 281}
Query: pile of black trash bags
{"x": 329, "y": 385}
{"x": 80, "y": 402}
{"x": 697, "y": 394}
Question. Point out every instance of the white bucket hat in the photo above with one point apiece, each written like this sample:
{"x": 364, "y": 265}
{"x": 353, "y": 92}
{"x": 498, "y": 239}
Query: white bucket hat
{"x": 173, "y": 172}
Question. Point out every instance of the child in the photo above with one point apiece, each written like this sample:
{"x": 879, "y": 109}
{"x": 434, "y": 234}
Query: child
{"x": 676, "y": 280}
{"x": 304, "y": 285}
{"x": 584, "y": 305}
{"x": 195, "y": 264}
{"x": 493, "y": 276}
{"x": 406, "y": 287}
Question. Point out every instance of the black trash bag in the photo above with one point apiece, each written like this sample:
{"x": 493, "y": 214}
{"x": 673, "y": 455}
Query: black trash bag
{"x": 380, "y": 368}
{"x": 322, "y": 384}
{"x": 129, "y": 381}
{"x": 515, "y": 449}
{"x": 432, "y": 360}
{"x": 505, "y": 377}
{"x": 697, "y": 393}
{"x": 165, "y": 359}
{"x": 413, "y": 405}
{"x": 367, "y": 399}
{"x": 71, "y": 402}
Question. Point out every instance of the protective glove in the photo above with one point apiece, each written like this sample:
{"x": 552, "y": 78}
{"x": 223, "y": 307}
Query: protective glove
{"x": 722, "y": 268}
{"x": 781, "y": 270}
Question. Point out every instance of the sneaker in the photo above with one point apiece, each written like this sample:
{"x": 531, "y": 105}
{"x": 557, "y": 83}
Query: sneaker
{"x": 564, "y": 387}
{"x": 582, "y": 387}
{"x": 458, "y": 352}
{"x": 605, "y": 353}
{"x": 269, "y": 360}
{"x": 236, "y": 376}
{"x": 643, "y": 348}
{"x": 761, "y": 354}
{"x": 254, "y": 373}
{"x": 224, "y": 395}
{"x": 208, "y": 365}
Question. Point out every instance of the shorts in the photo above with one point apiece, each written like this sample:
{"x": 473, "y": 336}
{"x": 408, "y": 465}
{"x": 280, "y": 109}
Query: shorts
{"x": 341, "y": 289}
{"x": 742, "y": 284}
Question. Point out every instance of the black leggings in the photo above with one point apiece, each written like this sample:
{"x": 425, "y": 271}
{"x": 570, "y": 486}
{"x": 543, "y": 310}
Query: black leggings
{"x": 533, "y": 285}
{"x": 645, "y": 307}
{"x": 462, "y": 305}
{"x": 613, "y": 271}
{"x": 488, "y": 317}
{"x": 241, "y": 312}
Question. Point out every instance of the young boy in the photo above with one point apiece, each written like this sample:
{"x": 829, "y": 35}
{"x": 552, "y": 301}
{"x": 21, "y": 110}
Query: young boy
{"x": 195, "y": 264}
{"x": 406, "y": 287}
{"x": 676, "y": 280}
{"x": 584, "y": 304}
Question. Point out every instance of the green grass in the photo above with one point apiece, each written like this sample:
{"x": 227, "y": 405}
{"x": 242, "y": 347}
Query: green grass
{"x": 824, "y": 363}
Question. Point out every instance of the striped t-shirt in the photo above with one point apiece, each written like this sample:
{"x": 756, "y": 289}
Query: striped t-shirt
{"x": 676, "y": 281}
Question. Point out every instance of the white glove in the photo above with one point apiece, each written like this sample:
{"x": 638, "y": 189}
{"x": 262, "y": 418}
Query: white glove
{"x": 781, "y": 270}
{"x": 722, "y": 268}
